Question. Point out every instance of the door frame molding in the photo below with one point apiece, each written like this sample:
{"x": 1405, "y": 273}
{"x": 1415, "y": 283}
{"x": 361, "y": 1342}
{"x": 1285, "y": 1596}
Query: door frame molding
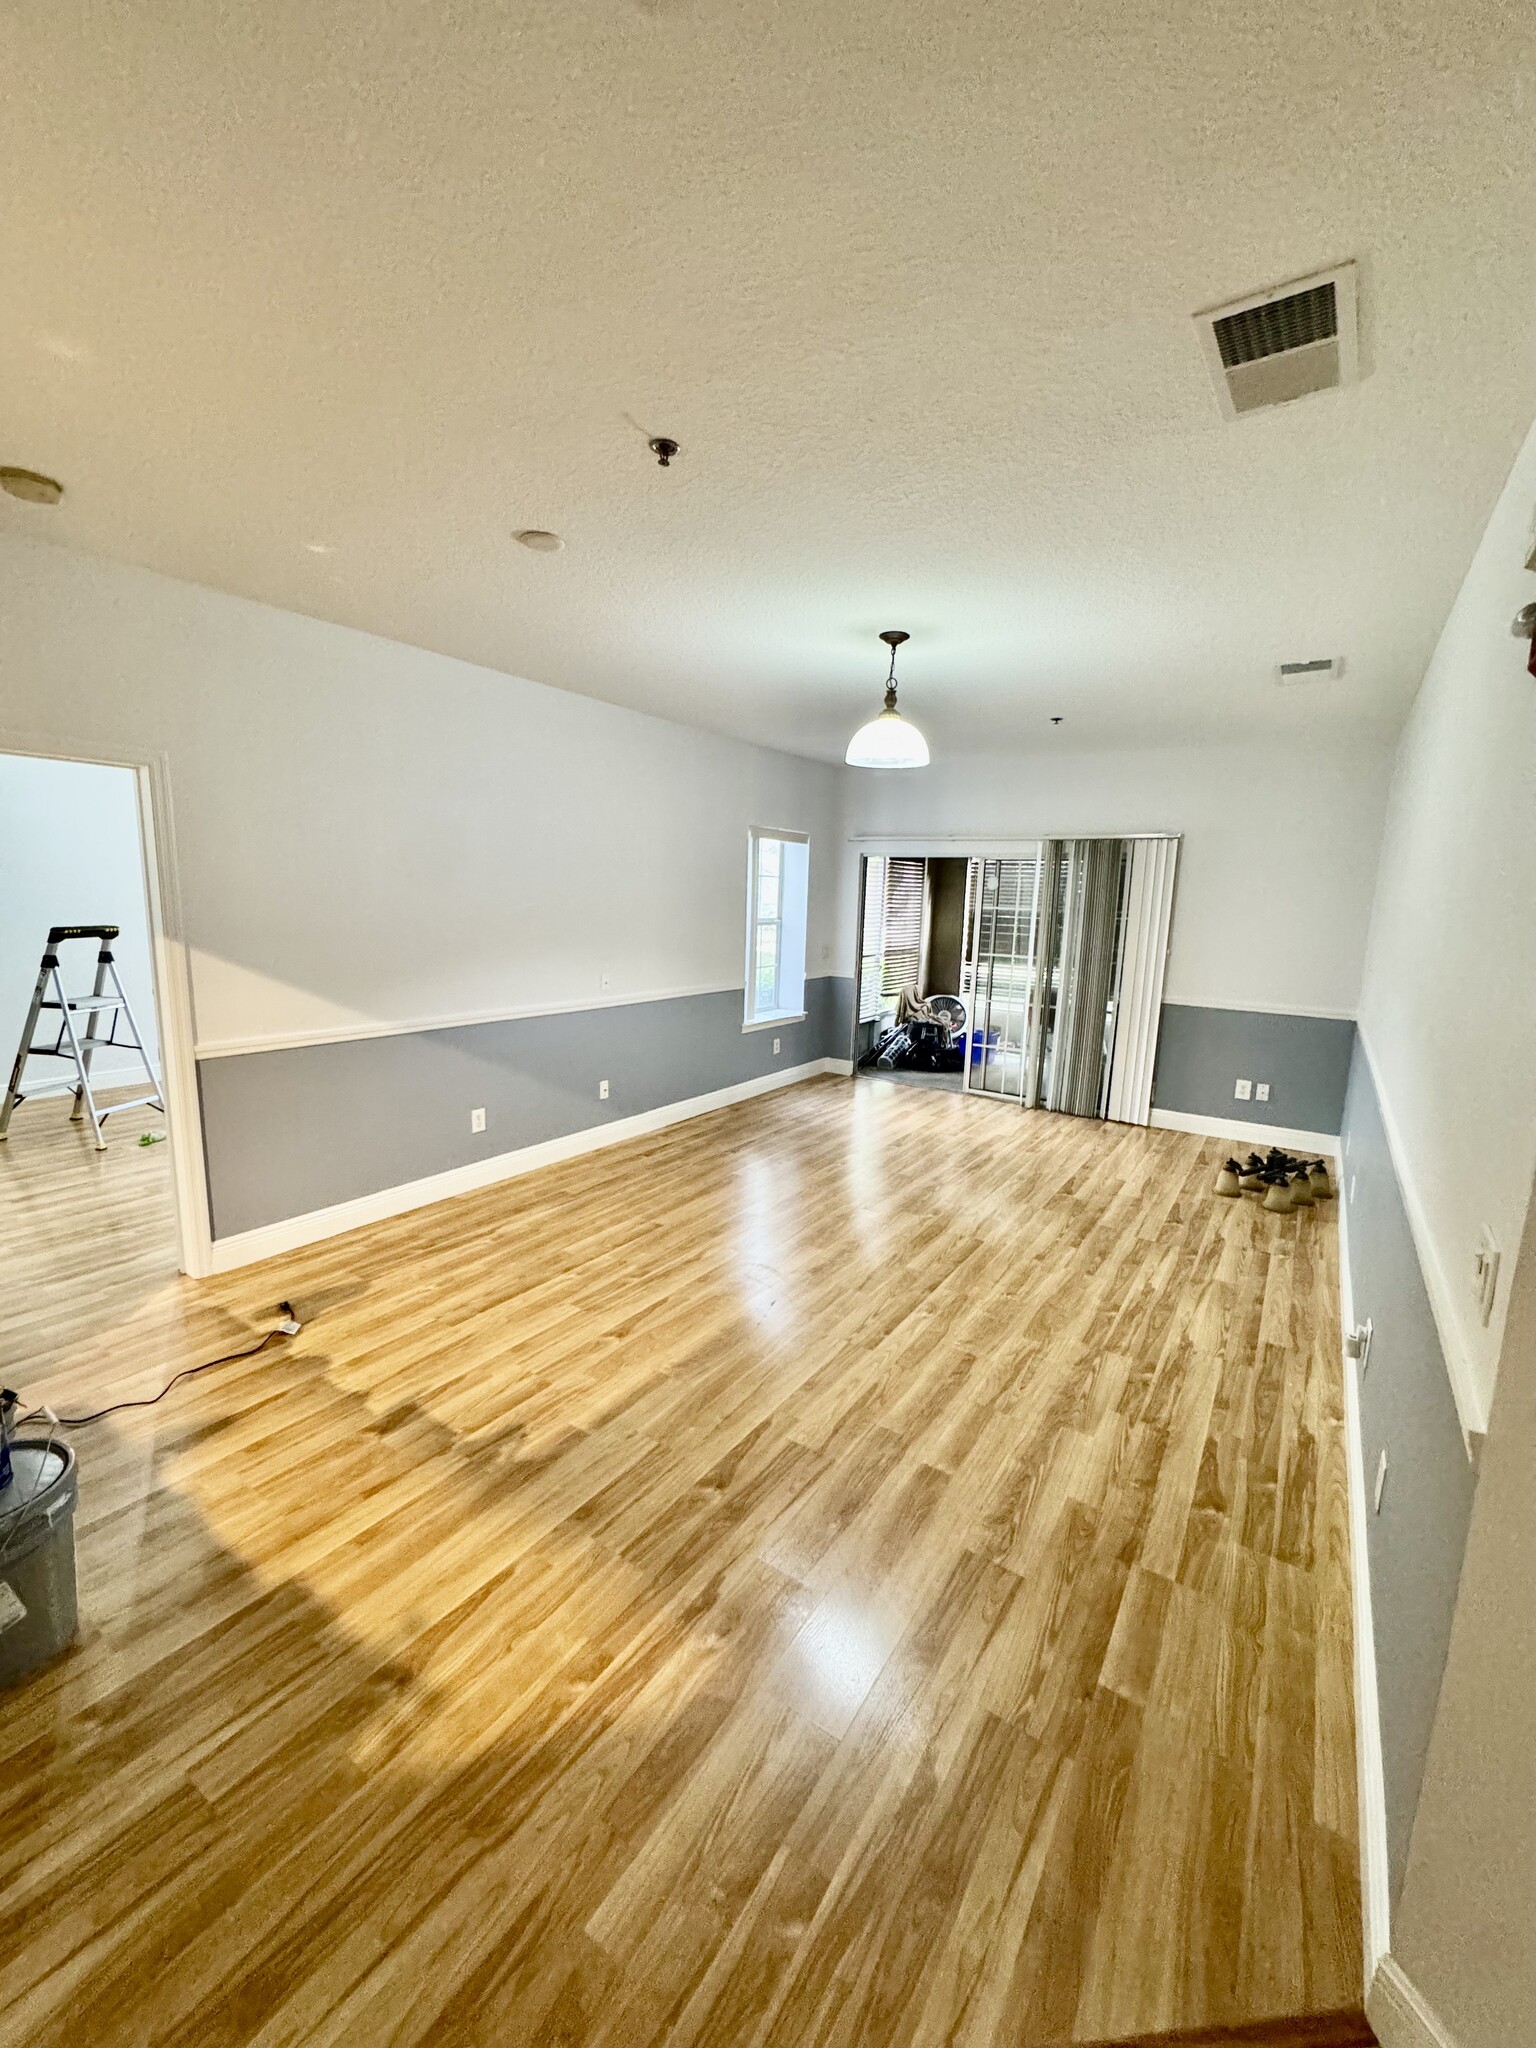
{"x": 170, "y": 968}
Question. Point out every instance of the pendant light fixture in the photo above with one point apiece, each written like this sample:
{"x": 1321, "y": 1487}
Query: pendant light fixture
{"x": 889, "y": 741}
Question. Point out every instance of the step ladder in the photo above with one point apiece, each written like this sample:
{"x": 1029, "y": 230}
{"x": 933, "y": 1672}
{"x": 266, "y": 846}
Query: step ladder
{"x": 106, "y": 1000}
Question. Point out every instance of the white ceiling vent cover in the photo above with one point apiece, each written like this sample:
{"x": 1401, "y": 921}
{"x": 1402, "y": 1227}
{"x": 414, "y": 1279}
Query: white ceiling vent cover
{"x": 1309, "y": 671}
{"x": 1283, "y": 344}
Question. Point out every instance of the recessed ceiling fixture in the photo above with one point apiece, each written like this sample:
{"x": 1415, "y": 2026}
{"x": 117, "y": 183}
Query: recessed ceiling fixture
{"x": 889, "y": 741}
{"x": 1284, "y": 343}
{"x": 31, "y": 488}
{"x": 541, "y": 542}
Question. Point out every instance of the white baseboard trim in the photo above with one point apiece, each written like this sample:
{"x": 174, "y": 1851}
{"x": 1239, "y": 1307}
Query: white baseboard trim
{"x": 271, "y": 1240}
{"x": 1261, "y": 1136}
{"x": 1471, "y": 1404}
{"x": 1370, "y": 1781}
{"x": 1400, "y": 2014}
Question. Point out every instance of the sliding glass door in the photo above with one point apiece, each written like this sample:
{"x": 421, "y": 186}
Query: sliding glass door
{"x": 998, "y": 982}
{"x": 1063, "y": 974}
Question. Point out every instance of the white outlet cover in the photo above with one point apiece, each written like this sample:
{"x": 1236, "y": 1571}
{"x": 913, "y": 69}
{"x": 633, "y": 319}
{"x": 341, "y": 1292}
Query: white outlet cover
{"x": 1243, "y": 1091}
{"x": 775, "y": 1045}
{"x": 1486, "y": 1274}
{"x": 602, "y": 1091}
{"x": 1381, "y": 1478}
{"x": 477, "y": 1119}
{"x": 1261, "y": 1091}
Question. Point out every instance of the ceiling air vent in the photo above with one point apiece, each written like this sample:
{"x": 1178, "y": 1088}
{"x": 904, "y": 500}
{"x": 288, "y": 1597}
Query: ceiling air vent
{"x": 1308, "y": 671}
{"x": 1283, "y": 344}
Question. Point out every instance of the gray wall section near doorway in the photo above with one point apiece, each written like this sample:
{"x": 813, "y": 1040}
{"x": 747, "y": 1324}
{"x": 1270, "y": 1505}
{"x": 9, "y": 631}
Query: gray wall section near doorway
{"x": 1406, "y": 1406}
{"x": 1201, "y": 1053}
{"x": 303, "y": 1127}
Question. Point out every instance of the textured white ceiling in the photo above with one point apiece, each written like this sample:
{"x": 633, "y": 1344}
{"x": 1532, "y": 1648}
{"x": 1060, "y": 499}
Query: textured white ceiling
{"x": 911, "y": 283}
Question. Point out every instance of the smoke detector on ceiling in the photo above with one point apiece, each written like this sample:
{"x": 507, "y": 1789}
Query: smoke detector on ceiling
{"x": 1284, "y": 343}
{"x": 1310, "y": 671}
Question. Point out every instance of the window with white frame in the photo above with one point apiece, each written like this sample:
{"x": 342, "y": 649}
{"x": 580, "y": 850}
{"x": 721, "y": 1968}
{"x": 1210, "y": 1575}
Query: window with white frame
{"x": 778, "y": 886}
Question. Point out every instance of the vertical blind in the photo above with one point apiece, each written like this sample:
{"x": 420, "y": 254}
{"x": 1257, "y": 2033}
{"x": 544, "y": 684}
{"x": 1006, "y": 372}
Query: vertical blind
{"x": 1090, "y": 946}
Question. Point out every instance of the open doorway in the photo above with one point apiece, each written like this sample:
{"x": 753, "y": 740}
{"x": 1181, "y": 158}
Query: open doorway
{"x": 1032, "y": 977}
{"x": 88, "y": 1211}
{"x": 914, "y": 923}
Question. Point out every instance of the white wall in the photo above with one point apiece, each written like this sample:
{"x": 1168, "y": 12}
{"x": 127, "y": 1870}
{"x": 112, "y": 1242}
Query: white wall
{"x": 1464, "y": 1923}
{"x": 1448, "y": 1008}
{"x": 69, "y": 854}
{"x": 368, "y": 834}
{"x": 1275, "y": 872}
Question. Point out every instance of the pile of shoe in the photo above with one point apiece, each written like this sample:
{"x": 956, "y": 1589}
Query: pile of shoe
{"x": 1285, "y": 1183}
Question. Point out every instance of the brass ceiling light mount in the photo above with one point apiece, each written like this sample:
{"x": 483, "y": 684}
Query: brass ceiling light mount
{"x": 30, "y": 486}
{"x": 664, "y": 448}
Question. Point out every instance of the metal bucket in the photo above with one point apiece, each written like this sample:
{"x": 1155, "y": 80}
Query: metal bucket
{"x": 38, "y": 1615}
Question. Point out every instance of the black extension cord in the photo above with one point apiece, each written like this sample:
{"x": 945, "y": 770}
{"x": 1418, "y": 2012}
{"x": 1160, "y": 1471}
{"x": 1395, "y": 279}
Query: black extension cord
{"x": 289, "y": 1327}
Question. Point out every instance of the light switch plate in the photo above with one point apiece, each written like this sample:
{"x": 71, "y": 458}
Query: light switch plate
{"x": 1243, "y": 1092}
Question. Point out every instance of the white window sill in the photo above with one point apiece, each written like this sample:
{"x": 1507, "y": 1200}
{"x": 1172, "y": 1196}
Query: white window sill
{"x": 782, "y": 1017}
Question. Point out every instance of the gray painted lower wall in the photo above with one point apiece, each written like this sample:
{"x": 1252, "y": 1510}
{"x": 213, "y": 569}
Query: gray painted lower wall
{"x": 1201, "y": 1053}
{"x": 1406, "y": 1406}
{"x": 301, "y": 1128}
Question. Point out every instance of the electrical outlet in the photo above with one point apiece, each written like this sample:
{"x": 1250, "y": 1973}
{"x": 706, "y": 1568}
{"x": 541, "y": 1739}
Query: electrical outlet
{"x": 1485, "y": 1274}
{"x": 775, "y": 1045}
{"x": 1381, "y": 1478}
{"x": 826, "y": 955}
{"x": 1353, "y": 1178}
{"x": 1357, "y": 1345}
{"x": 1243, "y": 1091}
{"x": 477, "y": 1119}
{"x": 602, "y": 1091}
{"x": 607, "y": 982}
{"x": 1261, "y": 1091}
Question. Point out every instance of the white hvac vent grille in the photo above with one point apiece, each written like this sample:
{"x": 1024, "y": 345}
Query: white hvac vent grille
{"x": 1283, "y": 344}
{"x": 1308, "y": 671}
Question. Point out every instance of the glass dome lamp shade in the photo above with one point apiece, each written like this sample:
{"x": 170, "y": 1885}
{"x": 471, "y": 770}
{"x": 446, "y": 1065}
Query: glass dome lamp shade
{"x": 889, "y": 741}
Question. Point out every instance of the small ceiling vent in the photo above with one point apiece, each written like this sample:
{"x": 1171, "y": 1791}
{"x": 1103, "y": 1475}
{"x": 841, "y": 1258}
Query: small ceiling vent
{"x": 1284, "y": 344}
{"x": 1309, "y": 671}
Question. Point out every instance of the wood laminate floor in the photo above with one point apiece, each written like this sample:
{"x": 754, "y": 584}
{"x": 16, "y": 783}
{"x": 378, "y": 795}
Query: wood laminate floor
{"x": 87, "y": 1238}
{"x": 867, "y": 1566}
